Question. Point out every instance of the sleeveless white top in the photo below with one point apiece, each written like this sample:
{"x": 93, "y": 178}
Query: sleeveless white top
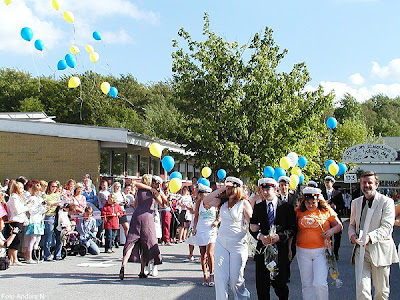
{"x": 232, "y": 222}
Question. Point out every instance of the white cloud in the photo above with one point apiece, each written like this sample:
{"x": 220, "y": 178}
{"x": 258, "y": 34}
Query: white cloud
{"x": 391, "y": 71}
{"x": 361, "y": 94}
{"x": 16, "y": 16}
{"x": 120, "y": 37}
{"x": 356, "y": 79}
{"x": 49, "y": 25}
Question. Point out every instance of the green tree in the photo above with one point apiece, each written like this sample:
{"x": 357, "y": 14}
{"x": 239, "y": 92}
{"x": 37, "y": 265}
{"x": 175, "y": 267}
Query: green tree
{"x": 243, "y": 114}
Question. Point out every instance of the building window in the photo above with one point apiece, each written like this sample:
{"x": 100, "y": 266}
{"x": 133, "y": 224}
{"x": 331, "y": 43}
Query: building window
{"x": 197, "y": 173}
{"x": 105, "y": 156}
{"x": 132, "y": 164}
{"x": 155, "y": 166}
{"x": 143, "y": 165}
{"x": 118, "y": 164}
{"x": 182, "y": 169}
{"x": 190, "y": 172}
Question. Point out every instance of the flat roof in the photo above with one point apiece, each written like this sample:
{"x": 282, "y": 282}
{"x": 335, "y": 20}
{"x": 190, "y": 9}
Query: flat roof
{"x": 85, "y": 132}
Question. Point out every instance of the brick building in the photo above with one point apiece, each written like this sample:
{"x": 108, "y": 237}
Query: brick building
{"x": 33, "y": 145}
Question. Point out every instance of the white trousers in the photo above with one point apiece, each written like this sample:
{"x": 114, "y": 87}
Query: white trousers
{"x": 313, "y": 272}
{"x": 379, "y": 276}
{"x": 230, "y": 261}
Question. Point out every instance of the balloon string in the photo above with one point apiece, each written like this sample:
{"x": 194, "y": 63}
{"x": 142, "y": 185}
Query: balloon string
{"x": 37, "y": 72}
{"x": 51, "y": 70}
{"x": 94, "y": 78}
{"x": 106, "y": 61}
{"x": 80, "y": 97}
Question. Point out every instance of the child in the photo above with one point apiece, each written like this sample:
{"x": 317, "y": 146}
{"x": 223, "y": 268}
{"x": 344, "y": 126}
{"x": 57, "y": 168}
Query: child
{"x": 111, "y": 213}
{"x": 35, "y": 229}
{"x": 87, "y": 230}
{"x": 63, "y": 226}
{"x": 4, "y": 243}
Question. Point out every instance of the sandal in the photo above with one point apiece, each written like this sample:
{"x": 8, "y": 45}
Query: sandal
{"x": 205, "y": 280}
{"x": 211, "y": 283}
{"x": 121, "y": 273}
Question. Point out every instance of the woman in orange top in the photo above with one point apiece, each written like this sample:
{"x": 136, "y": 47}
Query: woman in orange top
{"x": 317, "y": 222}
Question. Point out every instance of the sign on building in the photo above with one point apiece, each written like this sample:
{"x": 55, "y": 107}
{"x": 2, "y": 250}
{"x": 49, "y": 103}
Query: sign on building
{"x": 350, "y": 178}
{"x": 369, "y": 153}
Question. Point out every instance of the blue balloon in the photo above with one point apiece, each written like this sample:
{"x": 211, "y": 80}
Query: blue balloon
{"x": 113, "y": 92}
{"x": 302, "y": 161}
{"x": 27, "y": 34}
{"x": 269, "y": 171}
{"x": 62, "y": 64}
{"x": 221, "y": 174}
{"x": 175, "y": 174}
{"x": 279, "y": 172}
{"x": 328, "y": 163}
{"x": 39, "y": 45}
{"x": 70, "y": 59}
{"x": 204, "y": 181}
{"x": 168, "y": 163}
{"x": 342, "y": 169}
{"x": 96, "y": 35}
{"x": 331, "y": 123}
{"x": 301, "y": 177}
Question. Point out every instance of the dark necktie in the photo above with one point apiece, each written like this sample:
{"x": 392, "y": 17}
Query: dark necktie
{"x": 271, "y": 214}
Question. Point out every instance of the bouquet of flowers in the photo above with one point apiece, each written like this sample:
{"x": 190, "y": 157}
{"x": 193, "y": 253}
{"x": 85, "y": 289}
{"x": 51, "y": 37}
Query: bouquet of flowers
{"x": 332, "y": 264}
{"x": 271, "y": 256}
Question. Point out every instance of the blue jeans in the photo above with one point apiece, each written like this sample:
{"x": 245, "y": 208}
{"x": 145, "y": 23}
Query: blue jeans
{"x": 92, "y": 246}
{"x": 47, "y": 241}
{"x": 51, "y": 238}
{"x": 110, "y": 234}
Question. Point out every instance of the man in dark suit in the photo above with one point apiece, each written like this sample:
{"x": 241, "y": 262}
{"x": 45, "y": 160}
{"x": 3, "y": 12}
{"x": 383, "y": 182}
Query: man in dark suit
{"x": 285, "y": 194}
{"x": 335, "y": 199}
{"x": 272, "y": 211}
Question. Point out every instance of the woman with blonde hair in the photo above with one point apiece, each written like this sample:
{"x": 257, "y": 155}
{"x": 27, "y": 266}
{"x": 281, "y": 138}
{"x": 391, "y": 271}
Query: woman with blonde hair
{"x": 231, "y": 249}
{"x": 17, "y": 216}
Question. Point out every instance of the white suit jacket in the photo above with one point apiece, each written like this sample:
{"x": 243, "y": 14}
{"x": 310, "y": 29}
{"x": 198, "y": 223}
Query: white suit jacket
{"x": 381, "y": 246}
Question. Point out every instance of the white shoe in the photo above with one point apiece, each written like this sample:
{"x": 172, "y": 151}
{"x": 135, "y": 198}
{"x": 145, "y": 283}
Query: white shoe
{"x": 154, "y": 271}
{"x": 147, "y": 269}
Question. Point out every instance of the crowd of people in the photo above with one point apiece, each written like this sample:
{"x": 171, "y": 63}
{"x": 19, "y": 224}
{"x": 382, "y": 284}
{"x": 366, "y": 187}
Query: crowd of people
{"x": 224, "y": 221}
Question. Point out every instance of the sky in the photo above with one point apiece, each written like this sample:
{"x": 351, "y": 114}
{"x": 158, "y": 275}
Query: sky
{"x": 349, "y": 46}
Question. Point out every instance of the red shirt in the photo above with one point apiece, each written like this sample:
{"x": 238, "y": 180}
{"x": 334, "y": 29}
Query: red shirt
{"x": 110, "y": 213}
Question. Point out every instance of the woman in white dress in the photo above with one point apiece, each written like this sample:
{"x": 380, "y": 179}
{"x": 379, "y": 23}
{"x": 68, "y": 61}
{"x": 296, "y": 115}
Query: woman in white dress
{"x": 205, "y": 233}
{"x": 231, "y": 249}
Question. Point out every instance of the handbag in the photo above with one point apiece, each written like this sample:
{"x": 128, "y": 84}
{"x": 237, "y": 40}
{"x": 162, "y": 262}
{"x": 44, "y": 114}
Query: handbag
{"x": 4, "y": 263}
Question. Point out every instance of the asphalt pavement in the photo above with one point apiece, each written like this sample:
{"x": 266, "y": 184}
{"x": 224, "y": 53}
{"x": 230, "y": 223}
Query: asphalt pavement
{"x": 96, "y": 277}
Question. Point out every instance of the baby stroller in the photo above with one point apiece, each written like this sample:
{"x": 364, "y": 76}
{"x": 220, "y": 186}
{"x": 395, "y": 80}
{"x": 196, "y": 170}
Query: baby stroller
{"x": 72, "y": 244}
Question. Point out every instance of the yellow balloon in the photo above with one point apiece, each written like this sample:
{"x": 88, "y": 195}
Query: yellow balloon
{"x": 68, "y": 16}
{"x": 105, "y": 88}
{"x": 7, "y": 2}
{"x": 155, "y": 148}
{"x": 206, "y": 172}
{"x": 294, "y": 181}
{"x": 74, "y": 82}
{"x": 94, "y": 57}
{"x": 285, "y": 162}
{"x": 296, "y": 171}
{"x": 89, "y": 48}
{"x": 175, "y": 185}
{"x": 55, "y": 4}
{"x": 333, "y": 169}
{"x": 74, "y": 49}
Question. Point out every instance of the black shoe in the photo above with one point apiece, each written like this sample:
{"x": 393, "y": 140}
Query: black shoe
{"x": 337, "y": 256}
{"x": 121, "y": 273}
{"x": 142, "y": 275}
{"x": 116, "y": 245}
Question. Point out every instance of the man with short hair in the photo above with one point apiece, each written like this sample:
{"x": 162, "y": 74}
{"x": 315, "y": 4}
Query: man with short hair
{"x": 335, "y": 200}
{"x": 285, "y": 194}
{"x": 272, "y": 211}
{"x": 371, "y": 227}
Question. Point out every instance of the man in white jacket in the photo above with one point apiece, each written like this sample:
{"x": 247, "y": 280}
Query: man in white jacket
{"x": 370, "y": 230}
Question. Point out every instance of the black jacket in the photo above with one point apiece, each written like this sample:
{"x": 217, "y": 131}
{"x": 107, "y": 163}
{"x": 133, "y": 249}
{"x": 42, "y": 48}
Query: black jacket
{"x": 285, "y": 221}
